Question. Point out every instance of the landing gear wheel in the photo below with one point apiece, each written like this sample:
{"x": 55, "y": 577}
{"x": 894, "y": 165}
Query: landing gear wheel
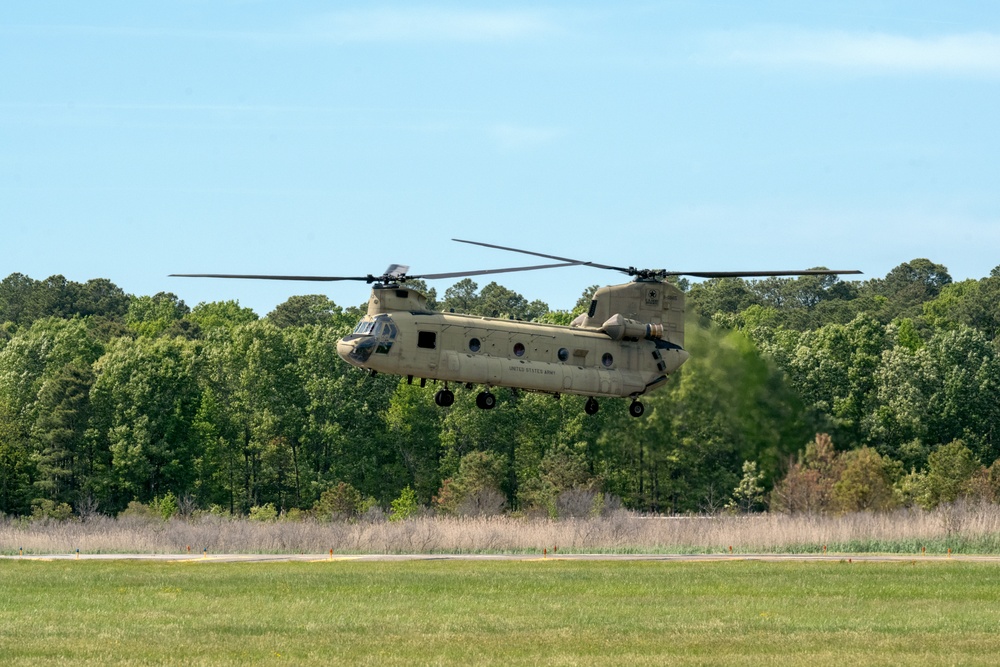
{"x": 444, "y": 398}
{"x": 591, "y": 406}
{"x": 636, "y": 409}
{"x": 485, "y": 400}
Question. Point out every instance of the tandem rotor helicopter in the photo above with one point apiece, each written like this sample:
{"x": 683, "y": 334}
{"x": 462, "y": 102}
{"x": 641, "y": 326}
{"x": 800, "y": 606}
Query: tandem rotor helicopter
{"x": 626, "y": 345}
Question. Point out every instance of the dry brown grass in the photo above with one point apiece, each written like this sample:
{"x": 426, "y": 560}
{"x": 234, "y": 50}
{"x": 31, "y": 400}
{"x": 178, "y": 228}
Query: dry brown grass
{"x": 961, "y": 527}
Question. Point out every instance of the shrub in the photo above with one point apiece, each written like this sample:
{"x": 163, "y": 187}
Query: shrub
{"x": 264, "y": 513}
{"x": 748, "y": 496}
{"x": 486, "y": 501}
{"x": 478, "y": 472}
{"x": 867, "y": 482}
{"x": 50, "y": 509}
{"x": 341, "y": 502}
{"x": 165, "y": 507}
{"x": 405, "y": 506}
{"x": 138, "y": 510}
{"x": 949, "y": 469}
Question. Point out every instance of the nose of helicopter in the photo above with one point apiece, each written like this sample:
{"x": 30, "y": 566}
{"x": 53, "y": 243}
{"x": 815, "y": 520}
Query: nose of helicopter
{"x": 355, "y": 349}
{"x": 344, "y": 349}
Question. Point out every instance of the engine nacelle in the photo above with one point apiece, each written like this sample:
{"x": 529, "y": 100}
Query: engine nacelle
{"x": 619, "y": 328}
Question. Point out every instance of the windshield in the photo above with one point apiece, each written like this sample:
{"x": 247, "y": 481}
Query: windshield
{"x": 364, "y": 328}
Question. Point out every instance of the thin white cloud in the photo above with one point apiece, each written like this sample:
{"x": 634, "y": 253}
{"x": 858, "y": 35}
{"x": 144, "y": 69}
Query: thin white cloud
{"x": 348, "y": 26}
{"x": 427, "y": 25}
{"x": 969, "y": 53}
{"x": 510, "y": 138}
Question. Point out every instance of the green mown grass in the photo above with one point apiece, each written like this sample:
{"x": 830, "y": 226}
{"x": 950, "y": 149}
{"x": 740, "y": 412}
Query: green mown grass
{"x": 499, "y": 613}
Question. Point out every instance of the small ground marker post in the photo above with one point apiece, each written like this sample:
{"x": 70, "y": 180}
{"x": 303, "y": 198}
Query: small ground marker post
{"x": 189, "y": 549}
{"x": 204, "y": 553}
{"x": 78, "y": 554}
{"x": 730, "y": 548}
{"x": 545, "y": 553}
{"x": 824, "y": 549}
{"x": 949, "y": 552}
{"x": 555, "y": 549}
{"x": 20, "y": 551}
{"x": 923, "y": 551}
{"x": 331, "y": 554}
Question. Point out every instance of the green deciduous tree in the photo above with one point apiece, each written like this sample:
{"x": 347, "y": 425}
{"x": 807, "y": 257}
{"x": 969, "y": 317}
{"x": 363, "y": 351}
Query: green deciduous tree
{"x": 949, "y": 469}
{"x": 227, "y": 314}
{"x": 153, "y": 315}
{"x": 144, "y": 399}
{"x": 945, "y": 390}
{"x": 299, "y": 311}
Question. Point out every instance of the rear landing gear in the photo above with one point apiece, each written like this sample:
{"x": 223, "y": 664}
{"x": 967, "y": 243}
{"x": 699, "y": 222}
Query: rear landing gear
{"x": 591, "y": 406}
{"x": 636, "y": 409}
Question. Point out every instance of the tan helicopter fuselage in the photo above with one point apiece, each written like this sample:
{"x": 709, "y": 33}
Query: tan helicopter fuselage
{"x": 627, "y": 344}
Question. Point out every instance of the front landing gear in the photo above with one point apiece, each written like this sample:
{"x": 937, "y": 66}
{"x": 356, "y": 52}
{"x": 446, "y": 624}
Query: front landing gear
{"x": 444, "y": 398}
{"x": 636, "y": 409}
{"x": 591, "y": 406}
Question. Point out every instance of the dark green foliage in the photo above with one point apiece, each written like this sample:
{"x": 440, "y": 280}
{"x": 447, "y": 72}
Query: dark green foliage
{"x": 23, "y": 300}
{"x": 493, "y": 300}
{"x": 299, "y": 311}
{"x": 107, "y": 399}
{"x": 66, "y": 466}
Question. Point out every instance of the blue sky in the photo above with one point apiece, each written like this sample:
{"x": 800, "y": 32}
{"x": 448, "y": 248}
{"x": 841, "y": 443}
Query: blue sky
{"x": 139, "y": 139}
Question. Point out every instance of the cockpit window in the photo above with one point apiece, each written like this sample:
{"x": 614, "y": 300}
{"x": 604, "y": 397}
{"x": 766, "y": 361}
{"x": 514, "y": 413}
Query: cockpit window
{"x": 365, "y": 327}
{"x": 382, "y": 326}
{"x": 376, "y": 335}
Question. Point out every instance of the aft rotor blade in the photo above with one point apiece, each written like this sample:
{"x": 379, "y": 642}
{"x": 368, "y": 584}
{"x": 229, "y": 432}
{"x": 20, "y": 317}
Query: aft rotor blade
{"x": 757, "y": 274}
{"x": 261, "y": 277}
{"x": 577, "y": 262}
{"x": 486, "y": 272}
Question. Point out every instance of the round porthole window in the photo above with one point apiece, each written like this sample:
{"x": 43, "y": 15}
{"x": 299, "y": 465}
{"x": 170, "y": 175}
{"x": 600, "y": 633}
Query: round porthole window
{"x": 518, "y": 349}
{"x": 474, "y": 345}
{"x": 607, "y": 359}
{"x": 563, "y": 354}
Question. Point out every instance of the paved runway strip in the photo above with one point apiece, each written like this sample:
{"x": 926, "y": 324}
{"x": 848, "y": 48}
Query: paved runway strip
{"x": 309, "y": 558}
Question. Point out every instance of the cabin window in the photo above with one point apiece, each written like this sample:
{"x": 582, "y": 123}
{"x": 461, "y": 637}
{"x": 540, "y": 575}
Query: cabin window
{"x": 593, "y": 308}
{"x": 386, "y": 334}
{"x": 518, "y": 349}
{"x": 474, "y": 344}
{"x": 427, "y": 339}
{"x": 563, "y": 354}
{"x": 402, "y": 294}
{"x": 607, "y": 359}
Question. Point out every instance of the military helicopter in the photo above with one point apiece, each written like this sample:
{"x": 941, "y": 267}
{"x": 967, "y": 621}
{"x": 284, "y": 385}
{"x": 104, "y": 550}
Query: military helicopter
{"x": 627, "y": 344}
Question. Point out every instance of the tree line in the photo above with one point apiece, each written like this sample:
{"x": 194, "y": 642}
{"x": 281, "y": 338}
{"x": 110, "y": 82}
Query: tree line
{"x": 109, "y": 399}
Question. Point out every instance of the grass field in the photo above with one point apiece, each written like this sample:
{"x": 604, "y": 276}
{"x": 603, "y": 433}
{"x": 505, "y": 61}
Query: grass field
{"x": 499, "y": 613}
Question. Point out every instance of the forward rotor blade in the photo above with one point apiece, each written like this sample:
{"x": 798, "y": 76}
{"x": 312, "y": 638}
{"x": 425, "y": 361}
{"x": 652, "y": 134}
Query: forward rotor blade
{"x": 260, "y": 277}
{"x": 393, "y": 275}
